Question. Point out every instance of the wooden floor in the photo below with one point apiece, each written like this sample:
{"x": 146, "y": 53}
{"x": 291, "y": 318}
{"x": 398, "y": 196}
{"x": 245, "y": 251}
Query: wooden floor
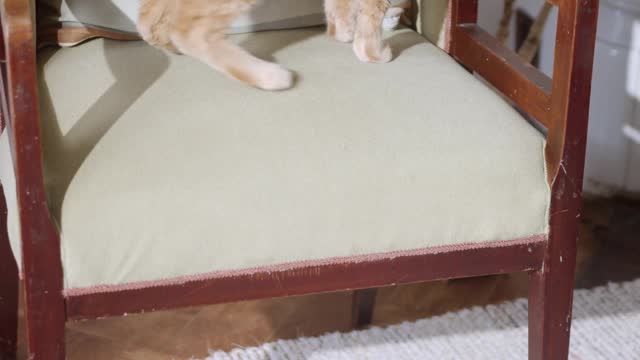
{"x": 609, "y": 251}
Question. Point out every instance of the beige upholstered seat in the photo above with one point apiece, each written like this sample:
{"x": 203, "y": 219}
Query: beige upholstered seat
{"x": 159, "y": 167}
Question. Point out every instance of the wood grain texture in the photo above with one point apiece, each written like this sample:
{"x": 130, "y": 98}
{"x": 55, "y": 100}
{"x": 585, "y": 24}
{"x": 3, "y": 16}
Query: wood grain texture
{"x": 41, "y": 244}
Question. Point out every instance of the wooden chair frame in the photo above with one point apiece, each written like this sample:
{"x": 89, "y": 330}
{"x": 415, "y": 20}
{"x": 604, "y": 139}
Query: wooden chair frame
{"x": 560, "y": 104}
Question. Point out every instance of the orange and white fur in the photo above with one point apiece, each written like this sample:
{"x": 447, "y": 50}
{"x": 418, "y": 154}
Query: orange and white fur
{"x": 197, "y": 28}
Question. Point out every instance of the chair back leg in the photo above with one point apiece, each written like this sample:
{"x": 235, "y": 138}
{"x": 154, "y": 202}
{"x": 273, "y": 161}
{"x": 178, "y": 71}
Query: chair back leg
{"x": 362, "y": 309}
{"x": 9, "y": 283}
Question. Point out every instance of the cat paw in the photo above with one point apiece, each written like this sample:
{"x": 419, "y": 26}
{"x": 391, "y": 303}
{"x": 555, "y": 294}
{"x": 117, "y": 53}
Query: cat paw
{"x": 372, "y": 53}
{"x": 274, "y": 77}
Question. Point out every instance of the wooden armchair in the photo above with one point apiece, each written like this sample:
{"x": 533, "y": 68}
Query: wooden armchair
{"x": 144, "y": 181}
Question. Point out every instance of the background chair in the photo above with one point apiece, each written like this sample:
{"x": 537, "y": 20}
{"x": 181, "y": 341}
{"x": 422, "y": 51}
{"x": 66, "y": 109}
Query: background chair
{"x": 66, "y": 231}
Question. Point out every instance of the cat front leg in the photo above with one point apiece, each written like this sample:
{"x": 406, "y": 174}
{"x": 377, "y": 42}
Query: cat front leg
{"x": 153, "y": 24}
{"x": 368, "y": 44}
{"x": 341, "y": 19}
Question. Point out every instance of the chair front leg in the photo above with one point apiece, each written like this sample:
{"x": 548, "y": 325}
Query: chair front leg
{"x": 45, "y": 315}
{"x": 9, "y": 283}
{"x": 551, "y": 288}
{"x": 549, "y": 314}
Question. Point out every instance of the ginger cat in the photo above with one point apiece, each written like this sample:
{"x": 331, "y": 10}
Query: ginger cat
{"x": 197, "y": 28}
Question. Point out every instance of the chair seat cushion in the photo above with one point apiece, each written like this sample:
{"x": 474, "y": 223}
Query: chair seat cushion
{"x": 159, "y": 167}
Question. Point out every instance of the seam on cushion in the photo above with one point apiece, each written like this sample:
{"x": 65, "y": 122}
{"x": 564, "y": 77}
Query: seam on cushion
{"x": 301, "y": 264}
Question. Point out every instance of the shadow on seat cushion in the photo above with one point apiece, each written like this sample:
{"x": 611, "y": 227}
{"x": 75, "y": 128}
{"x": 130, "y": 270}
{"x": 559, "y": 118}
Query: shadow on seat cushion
{"x": 159, "y": 167}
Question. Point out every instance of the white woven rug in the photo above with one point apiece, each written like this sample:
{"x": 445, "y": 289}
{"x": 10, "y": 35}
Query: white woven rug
{"x": 606, "y": 326}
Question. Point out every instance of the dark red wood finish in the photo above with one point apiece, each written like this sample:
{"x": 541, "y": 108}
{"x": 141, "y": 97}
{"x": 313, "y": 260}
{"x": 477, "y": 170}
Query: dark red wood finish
{"x": 9, "y": 283}
{"x": 461, "y": 13}
{"x": 561, "y": 106}
{"x": 522, "y": 83}
{"x": 551, "y": 289}
{"x": 9, "y": 277}
{"x": 41, "y": 243}
{"x": 316, "y": 279}
{"x": 577, "y": 24}
{"x": 565, "y": 112}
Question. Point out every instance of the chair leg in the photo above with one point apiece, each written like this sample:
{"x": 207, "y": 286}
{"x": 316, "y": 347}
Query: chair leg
{"x": 45, "y": 321}
{"x": 8, "y": 312}
{"x": 8, "y": 307}
{"x": 45, "y": 330}
{"x": 9, "y": 283}
{"x": 44, "y": 305}
{"x": 362, "y": 307}
{"x": 550, "y": 306}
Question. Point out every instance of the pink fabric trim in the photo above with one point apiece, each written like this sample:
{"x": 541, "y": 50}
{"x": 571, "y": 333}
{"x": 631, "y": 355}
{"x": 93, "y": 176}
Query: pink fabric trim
{"x": 301, "y": 264}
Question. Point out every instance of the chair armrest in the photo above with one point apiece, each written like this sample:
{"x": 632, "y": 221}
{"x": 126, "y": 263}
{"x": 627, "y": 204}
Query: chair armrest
{"x": 561, "y": 103}
{"x": 517, "y": 79}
